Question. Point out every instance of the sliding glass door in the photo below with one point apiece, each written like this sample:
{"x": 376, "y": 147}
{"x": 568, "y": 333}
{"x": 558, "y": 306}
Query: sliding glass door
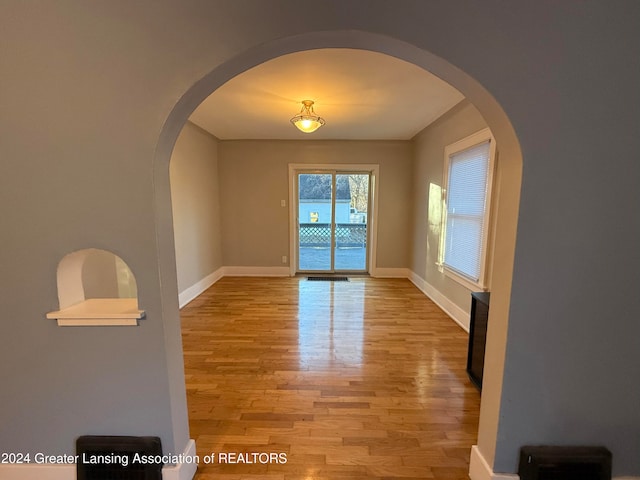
{"x": 332, "y": 221}
{"x": 315, "y": 220}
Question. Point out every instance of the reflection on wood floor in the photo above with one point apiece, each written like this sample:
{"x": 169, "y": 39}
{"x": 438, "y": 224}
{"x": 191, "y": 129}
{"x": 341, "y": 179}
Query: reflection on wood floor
{"x": 348, "y": 380}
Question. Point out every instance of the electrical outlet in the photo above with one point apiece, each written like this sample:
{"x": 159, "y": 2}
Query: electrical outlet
{"x": 284, "y": 259}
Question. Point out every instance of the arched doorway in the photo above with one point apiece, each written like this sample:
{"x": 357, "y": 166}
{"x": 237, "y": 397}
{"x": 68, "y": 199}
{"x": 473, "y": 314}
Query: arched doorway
{"x": 511, "y": 162}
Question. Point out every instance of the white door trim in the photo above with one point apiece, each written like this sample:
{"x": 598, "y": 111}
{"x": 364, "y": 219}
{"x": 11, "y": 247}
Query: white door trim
{"x": 372, "y": 227}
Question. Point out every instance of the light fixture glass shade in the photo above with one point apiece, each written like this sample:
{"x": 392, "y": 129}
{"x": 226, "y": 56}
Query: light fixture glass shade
{"x": 307, "y": 121}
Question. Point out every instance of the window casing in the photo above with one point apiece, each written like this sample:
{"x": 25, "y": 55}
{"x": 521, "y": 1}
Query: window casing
{"x": 468, "y": 176}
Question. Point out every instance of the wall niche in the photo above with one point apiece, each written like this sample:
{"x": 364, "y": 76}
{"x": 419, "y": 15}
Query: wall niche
{"x": 96, "y": 288}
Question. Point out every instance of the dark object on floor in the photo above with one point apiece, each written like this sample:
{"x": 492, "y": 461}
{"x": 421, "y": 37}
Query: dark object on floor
{"x": 329, "y": 279}
{"x": 118, "y": 458}
{"x": 564, "y": 463}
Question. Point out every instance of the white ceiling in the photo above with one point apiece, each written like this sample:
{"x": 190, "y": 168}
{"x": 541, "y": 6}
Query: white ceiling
{"x": 362, "y": 95}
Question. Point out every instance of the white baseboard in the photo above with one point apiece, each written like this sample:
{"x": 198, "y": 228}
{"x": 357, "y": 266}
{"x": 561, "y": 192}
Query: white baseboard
{"x": 454, "y": 311}
{"x": 390, "y": 273}
{"x": 256, "y": 272}
{"x": 479, "y": 469}
{"x": 197, "y": 288}
{"x": 200, "y": 286}
{"x": 182, "y": 471}
{"x": 46, "y": 471}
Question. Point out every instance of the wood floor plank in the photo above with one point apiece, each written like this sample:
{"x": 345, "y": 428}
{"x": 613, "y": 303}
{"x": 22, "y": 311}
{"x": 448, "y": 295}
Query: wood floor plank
{"x": 350, "y": 380}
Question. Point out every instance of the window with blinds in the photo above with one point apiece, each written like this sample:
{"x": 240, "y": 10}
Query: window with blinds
{"x": 468, "y": 175}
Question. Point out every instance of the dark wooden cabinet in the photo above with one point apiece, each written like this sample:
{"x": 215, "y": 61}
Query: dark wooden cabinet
{"x": 477, "y": 336}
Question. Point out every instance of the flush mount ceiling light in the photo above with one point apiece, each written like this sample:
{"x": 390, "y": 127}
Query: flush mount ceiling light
{"x": 307, "y": 121}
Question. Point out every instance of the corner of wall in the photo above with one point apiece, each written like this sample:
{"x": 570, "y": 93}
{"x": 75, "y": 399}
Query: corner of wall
{"x": 479, "y": 469}
{"x": 185, "y": 470}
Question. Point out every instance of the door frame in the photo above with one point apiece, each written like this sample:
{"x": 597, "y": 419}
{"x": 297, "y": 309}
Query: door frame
{"x": 372, "y": 227}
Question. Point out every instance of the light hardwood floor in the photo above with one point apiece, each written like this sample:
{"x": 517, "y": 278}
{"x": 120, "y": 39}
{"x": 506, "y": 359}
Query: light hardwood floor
{"x": 350, "y": 380}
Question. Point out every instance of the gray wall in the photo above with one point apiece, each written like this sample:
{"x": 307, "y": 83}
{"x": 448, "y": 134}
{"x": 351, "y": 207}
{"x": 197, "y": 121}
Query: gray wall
{"x": 196, "y": 205}
{"x": 572, "y": 346}
{"x": 94, "y": 95}
{"x": 458, "y": 123}
{"x": 254, "y": 178}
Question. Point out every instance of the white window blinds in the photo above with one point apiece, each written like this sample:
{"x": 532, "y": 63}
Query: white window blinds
{"x": 466, "y": 211}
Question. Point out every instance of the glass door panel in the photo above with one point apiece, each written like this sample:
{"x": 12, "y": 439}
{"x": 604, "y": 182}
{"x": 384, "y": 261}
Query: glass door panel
{"x": 333, "y": 221}
{"x": 315, "y": 222}
{"x": 351, "y": 220}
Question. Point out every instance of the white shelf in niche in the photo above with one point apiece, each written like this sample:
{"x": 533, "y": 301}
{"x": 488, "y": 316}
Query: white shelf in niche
{"x": 96, "y": 288}
{"x": 100, "y": 312}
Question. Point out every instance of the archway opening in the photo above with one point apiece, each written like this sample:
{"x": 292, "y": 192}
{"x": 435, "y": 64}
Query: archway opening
{"x": 508, "y": 182}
